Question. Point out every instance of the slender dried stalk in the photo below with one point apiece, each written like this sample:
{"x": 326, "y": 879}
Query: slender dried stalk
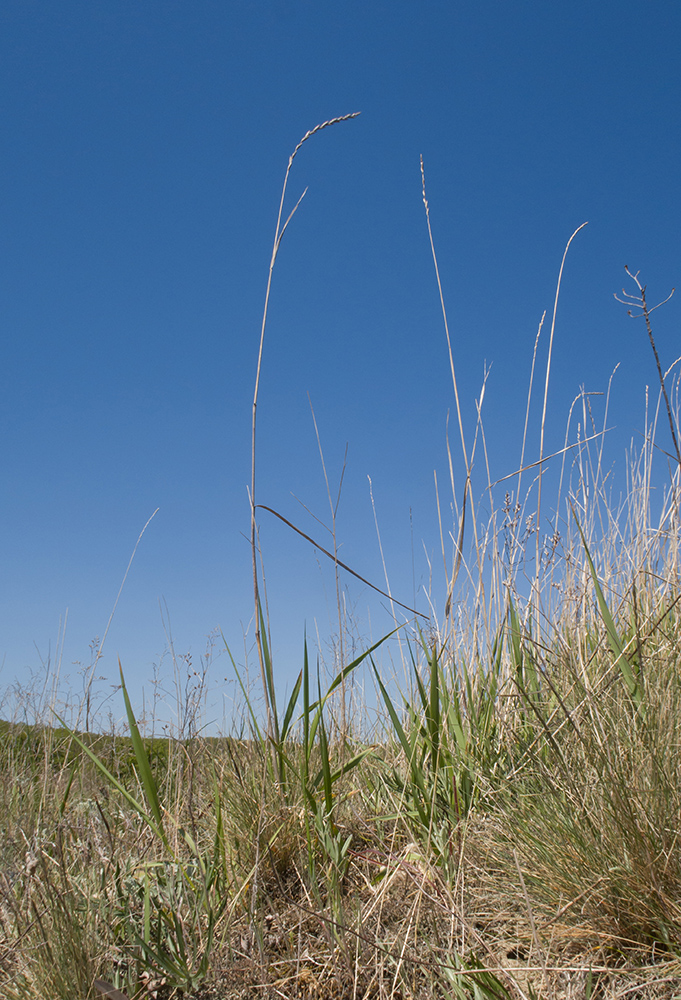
{"x": 268, "y": 687}
{"x": 640, "y": 302}
{"x": 457, "y": 564}
{"x": 543, "y": 416}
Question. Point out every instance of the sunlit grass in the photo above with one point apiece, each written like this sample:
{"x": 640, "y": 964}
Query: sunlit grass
{"x": 510, "y": 830}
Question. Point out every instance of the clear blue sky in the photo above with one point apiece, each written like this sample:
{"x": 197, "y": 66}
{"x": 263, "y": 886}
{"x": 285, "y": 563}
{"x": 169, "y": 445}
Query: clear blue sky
{"x": 144, "y": 146}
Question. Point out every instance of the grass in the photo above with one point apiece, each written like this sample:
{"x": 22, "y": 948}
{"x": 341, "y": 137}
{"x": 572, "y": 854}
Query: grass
{"x": 509, "y": 829}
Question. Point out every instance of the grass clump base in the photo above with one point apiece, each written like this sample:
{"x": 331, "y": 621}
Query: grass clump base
{"x": 509, "y": 830}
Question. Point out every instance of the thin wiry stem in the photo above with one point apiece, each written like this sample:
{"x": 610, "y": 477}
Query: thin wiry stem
{"x": 529, "y": 399}
{"x": 272, "y": 724}
{"x": 334, "y": 513}
{"x": 336, "y": 560}
{"x": 100, "y": 648}
{"x": 640, "y": 302}
{"x": 543, "y": 416}
{"x": 457, "y": 565}
{"x": 444, "y": 316}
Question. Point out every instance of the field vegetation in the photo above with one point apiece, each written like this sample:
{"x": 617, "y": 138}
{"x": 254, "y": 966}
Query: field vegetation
{"x": 505, "y": 826}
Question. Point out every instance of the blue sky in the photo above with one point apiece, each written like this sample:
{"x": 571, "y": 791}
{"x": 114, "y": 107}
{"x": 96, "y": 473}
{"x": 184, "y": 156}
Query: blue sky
{"x": 144, "y": 146}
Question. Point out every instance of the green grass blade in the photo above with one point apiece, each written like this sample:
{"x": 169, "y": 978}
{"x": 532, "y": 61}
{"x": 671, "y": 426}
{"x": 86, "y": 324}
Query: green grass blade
{"x": 147, "y": 908}
{"x": 318, "y": 706}
{"x": 340, "y": 677}
{"x": 112, "y": 780}
{"x": 394, "y": 718}
{"x": 408, "y": 746}
{"x": 306, "y": 715}
{"x": 67, "y": 791}
{"x": 616, "y": 645}
{"x": 434, "y": 720}
{"x": 344, "y": 768}
{"x": 269, "y": 675}
{"x": 324, "y": 751}
{"x": 291, "y": 707}
{"x": 157, "y": 960}
{"x": 143, "y": 766}
{"x": 254, "y": 721}
{"x": 219, "y": 846}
